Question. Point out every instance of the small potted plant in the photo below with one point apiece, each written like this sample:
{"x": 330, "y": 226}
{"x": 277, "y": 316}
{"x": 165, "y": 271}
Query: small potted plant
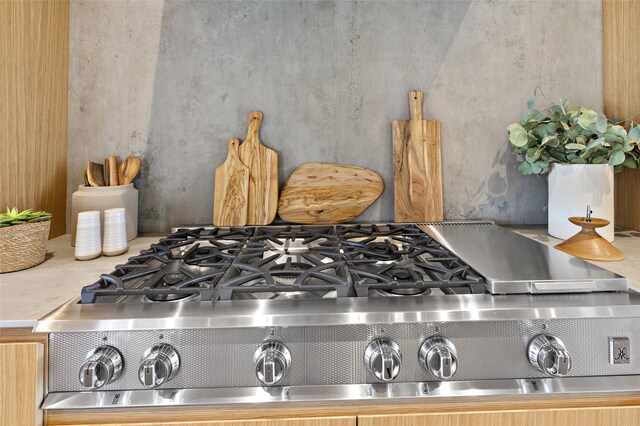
{"x": 580, "y": 149}
{"x": 23, "y": 238}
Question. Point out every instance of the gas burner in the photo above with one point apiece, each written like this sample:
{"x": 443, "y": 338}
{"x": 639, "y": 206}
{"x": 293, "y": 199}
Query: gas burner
{"x": 402, "y": 292}
{"x": 403, "y": 275}
{"x": 353, "y": 231}
{"x": 286, "y": 273}
{"x": 169, "y": 280}
{"x": 170, "y": 297}
{"x": 172, "y": 279}
{"x": 293, "y": 239}
{"x": 268, "y": 278}
{"x": 382, "y": 251}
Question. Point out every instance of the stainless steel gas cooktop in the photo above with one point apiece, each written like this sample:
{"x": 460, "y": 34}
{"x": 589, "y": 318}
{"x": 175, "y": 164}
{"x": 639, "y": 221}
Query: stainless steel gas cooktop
{"x": 305, "y": 313}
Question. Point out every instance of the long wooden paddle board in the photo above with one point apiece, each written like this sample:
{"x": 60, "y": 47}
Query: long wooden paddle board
{"x": 328, "y": 193}
{"x": 262, "y": 162}
{"x": 417, "y": 174}
{"x": 231, "y": 190}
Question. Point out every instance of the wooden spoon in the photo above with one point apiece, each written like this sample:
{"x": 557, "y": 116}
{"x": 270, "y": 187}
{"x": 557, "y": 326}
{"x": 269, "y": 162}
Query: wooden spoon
{"x": 95, "y": 174}
{"x": 111, "y": 170}
{"x": 129, "y": 169}
{"x": 107, "y": 174}
{"x": 120, "y": 175}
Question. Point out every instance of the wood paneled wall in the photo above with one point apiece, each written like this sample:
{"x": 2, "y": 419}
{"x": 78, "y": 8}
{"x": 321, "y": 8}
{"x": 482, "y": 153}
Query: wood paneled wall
{"x": 621, "y": 37}
{"x": 34, "y": 57}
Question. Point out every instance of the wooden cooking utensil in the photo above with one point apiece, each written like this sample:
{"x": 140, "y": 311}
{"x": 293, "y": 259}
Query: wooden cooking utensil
{"x": 328, "y": 193}
{"x": 129, "y": 169}
{"x": 588, "y": 244}
{"x": 106, "y": 172}
{"x": 120, "y": 174}
{"x": 231, "y": 189}
{"x": 417, "y": 175}
{"x": 95, "y": 174}
{"x": 262, "y": 202}
{"x": 111, "y": 171}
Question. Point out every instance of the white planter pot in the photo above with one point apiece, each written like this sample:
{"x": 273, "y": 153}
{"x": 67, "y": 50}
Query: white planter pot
{"x": 574, "y": 186}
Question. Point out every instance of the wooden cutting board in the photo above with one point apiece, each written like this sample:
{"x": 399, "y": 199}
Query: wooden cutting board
{"x": 262, "y": 201}
{"x": 231, "y": 189}
{"x": 417, "y": 174}
{"x": 328, "y": 193}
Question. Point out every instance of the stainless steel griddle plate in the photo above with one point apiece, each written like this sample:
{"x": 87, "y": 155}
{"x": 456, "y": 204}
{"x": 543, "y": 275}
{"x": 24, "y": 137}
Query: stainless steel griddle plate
{"x": 513, "y": 264}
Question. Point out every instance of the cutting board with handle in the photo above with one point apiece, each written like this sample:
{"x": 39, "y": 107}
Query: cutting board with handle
{"x": 328, "y": 193}
{"x": 231, "y": 189}
{"x": 417, "y": 174}
{"x": 262, "y": 162}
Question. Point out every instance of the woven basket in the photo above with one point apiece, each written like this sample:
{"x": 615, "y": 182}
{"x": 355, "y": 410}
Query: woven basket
{"x": 23, "y": 246}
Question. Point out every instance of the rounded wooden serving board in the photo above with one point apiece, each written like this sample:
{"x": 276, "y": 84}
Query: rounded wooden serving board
{"x": 322, "y": 193}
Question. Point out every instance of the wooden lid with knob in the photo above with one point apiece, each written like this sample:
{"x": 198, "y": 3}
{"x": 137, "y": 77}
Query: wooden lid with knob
{"x": 588, "y": 244}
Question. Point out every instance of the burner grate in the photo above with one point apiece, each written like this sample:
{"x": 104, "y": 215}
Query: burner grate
{"x": 186, "y": 264}
{"x": 287, "y": 261}
{"x": 408, "y": 264}
{"x": 282, "y": 272}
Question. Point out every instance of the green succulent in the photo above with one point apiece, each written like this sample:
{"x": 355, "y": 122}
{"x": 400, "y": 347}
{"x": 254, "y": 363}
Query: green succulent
{"x": 572, "y": 135}
{"x": 13, "y": 217}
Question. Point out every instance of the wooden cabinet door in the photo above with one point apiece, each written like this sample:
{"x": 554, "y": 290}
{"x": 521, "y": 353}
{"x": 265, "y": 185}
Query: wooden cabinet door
{"x": 607, "y": 416}
{"x": 318, "y": 421}
{"x": 21, "y": 383}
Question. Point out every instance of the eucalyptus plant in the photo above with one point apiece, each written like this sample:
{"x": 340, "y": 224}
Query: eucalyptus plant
{"x": 572, "y": 135}
{"x": 13, "y": 217}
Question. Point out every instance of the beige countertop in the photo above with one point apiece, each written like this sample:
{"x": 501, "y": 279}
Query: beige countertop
{"x": 28, "y": 295}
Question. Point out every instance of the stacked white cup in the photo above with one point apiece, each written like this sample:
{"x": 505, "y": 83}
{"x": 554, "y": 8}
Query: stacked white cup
{"x": 115, "y": 232}
{"x": 88, "y": 235}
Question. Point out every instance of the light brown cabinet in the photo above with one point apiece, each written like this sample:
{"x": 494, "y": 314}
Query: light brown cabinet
{"x": 21, "y": 383}
{"x": 323, "y": 421}
{"x": 470, "y": 413}
{"x": 607, "y": 416}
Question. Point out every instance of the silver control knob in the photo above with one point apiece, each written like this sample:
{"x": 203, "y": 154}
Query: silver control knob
{"x": 438, "y": 356}
{"x": 272, "y": 361}
{"x": 548, "y": 354}
{"x": 382, "y": 358}
{"x": 102, "y": 366}
{"x": 159, "y": 364}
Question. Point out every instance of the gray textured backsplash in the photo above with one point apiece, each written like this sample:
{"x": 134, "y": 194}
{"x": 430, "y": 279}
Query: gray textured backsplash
{"x": 172, "y": 81}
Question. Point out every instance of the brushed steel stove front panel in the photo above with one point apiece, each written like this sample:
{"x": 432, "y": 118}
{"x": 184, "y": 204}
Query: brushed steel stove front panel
{"x": 331, "y": 355}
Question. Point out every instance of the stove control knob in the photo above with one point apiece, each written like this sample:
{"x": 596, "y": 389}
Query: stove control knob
{"x": 272, "y": 361}
{"x": 159, "y": 364}
{"x": 102, "y": 366}
{"x": 438, "y": 356}
{"x": 548, "y": 354}
{"x": 382, "y": 358}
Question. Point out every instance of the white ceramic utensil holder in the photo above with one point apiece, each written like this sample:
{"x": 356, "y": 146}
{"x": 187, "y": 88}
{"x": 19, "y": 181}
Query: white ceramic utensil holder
{"x": 102, "y": 198}
{"x": 574, "y": 186}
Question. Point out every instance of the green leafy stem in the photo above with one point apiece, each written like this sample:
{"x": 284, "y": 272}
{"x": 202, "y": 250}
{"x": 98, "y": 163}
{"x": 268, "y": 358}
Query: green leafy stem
{"x": 572, "y": 135}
